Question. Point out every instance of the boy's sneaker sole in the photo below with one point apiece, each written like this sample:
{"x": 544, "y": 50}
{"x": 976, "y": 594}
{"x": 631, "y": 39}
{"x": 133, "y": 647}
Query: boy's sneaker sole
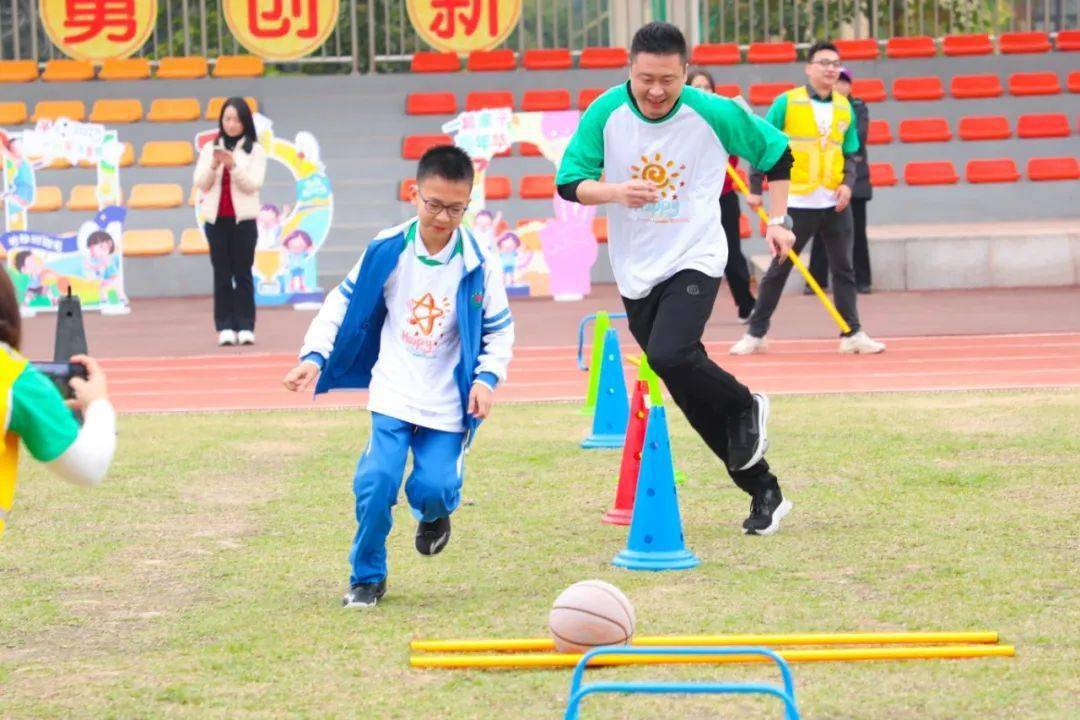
{"x": 763, "y": 421}
{"x": 781, "y": 511}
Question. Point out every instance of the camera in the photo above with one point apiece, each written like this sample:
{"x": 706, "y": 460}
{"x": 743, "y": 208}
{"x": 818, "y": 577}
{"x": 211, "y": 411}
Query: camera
{"x": 61, "y": 374}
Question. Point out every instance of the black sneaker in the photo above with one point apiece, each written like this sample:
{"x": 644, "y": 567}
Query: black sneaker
{"x": 432, "y": 537}
{"x": 747, "y": 439}
{"x": 364, "y": 595}
{"x": 767, "y": 508}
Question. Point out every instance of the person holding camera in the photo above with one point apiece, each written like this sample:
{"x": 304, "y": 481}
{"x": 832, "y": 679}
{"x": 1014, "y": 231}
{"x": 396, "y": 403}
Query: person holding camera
{"x": 35, "y": 413}
{"x": 229, "y": 174}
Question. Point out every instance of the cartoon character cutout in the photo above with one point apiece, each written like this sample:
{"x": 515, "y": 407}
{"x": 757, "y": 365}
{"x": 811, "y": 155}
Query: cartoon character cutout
{"x": 18, "y": 185}
{"x": 32, "y": 267}
{"x": 509, "y": 247}
{"x": 298, "y": 247}
{"x": 484, "y": 226}
{"x": 570, "y": 249}
{"x": 268, "y": 223}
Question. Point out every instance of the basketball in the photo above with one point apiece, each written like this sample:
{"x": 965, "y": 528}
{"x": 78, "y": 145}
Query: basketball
{"x": 589, "y": 614}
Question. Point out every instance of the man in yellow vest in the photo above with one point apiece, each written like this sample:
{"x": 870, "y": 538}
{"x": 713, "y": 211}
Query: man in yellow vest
{"x": 823, "y": 136}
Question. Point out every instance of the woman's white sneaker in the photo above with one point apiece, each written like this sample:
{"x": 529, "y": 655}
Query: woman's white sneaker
{"x": 226, "y": 337}
{"x": 748, "y": 345}
{"x": 861, "y": 343}
{"x": 245, "y": 337}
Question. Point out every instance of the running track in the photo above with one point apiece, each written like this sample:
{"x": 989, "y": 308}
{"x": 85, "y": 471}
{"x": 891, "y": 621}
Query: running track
{"x": 253, "y": 381}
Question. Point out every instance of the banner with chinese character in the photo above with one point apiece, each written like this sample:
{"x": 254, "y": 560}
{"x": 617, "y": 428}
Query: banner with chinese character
{"x": 281, "y": 29}
{"x": 539, "y": 257}
{"x": 87, "y": 261}
{"x": 98, "y": 29}
{"x": 464, "y": 25}
{"x": 289, "y": 235}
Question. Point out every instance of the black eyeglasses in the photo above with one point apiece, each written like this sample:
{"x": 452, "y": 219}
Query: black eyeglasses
{"x": 827, "y": 63}
{"x": 434, "y": 207}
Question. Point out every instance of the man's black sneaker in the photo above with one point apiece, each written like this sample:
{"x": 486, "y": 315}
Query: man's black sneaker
{"x": 432, "y": 537}
{"x": 364, "y": 594}
{"x": 747, "y": 438}
{"x": 767, "y": 508}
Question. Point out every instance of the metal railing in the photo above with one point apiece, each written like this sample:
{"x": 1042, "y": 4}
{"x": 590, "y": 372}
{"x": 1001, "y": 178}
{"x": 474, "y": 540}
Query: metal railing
{"x": 376, "y": 35}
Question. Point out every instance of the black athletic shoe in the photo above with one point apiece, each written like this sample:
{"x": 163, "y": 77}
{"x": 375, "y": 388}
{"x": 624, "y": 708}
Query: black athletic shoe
{"x": 747, "y": 438}
{"x": 432, "y": 537}
{"x": 364, "y": 595}
{"x": 744, "y": 315}
{"x": 767, "y": 509}
{"x": 863, "y": 289}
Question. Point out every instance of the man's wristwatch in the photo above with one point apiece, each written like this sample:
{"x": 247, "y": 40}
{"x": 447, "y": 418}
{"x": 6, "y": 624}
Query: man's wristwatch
{"x": 783, "y": 221}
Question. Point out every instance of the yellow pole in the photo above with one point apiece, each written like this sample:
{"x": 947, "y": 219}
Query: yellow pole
{"x": 738, "y": 181}
{"x": 560, "y": 660}
{"x": 768, "y": 640}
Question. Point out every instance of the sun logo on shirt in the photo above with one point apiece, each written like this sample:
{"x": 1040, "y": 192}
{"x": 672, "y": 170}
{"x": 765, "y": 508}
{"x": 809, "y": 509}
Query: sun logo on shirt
{"x": 664, "y": 176}
{"x": 425, "y": 313}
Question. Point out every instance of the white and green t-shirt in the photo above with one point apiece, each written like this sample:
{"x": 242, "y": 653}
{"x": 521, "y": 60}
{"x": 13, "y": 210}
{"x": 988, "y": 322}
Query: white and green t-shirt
{"x": 683, "y": 155}
{"x": 413, "y": 379}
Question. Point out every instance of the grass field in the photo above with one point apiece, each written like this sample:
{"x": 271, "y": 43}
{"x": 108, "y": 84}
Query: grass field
{"x": 202, "y": 580}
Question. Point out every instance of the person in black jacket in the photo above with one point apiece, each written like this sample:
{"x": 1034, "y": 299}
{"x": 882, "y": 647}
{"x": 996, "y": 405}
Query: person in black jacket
{"x": 860, "y": 195}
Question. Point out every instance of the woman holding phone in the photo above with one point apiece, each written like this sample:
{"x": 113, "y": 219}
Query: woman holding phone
{"x": 230, "y": 173}
{"x": 32, "y": 410}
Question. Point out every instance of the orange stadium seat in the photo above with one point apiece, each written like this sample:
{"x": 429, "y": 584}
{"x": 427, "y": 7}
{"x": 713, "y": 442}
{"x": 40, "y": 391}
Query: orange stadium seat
{"x": 1074, "y": 81}
{"x": 125, "y": 69}
{"x": 192, "y": 242}
{"x": 864, "y": 49}
{"x": 537, "y": 187}
{"x": 238, "y": 66}
{"x": 529, "y": 150}
{"x": 1048, "y": 125}
{"x": 13, "y": 113}
{"x": 919, "y": 46}
{"x": 52, "y": 109}
{"x": 984, "y": 127}
{"x": 919, "y": 130}
{"x": 115, "y": 112}
{"x": 1068, "y": 41}
{"x": 214, "y": 104}
{"x": 744, "y": 227}
{"x": 918, "y": 88}
{"x": 491, "y": 99}
{"x": 879, "y": 133}
{"x": 47, "y": 198}
{"x": 599, "y": 229}
{"x": 728, "y": 91}
{"x": 882, "y": 174}
{"x": 765, "y": 93}
{"x": 405, "y": 189}
{"x": 934, "y": 172}
{"x": 155, "y": 196}
{"x": 966, "y": 87}
{"x": 491, "y": 61}
{"x": 182, "y": 68}
{"x": 127, "y": 158}
{"x": 991, "y": 171}
{"x": 167, "y": 153}
{"x": 595, "y": 58}
{"x": 1053, "y": 168}
{"x": 416, "y": 145}
{"x": 586, "y": 96}
{"x": 497, "y": 187}
{"x": 976, "y": 44}
{"x": 174, "y": 110}
{"x": 1011, "y": 43}
{"x": 83, "y": 198}
{"x": 715, "y": 54}
{"x": 868, "y": 89}
{"x": 68, "y": 71}
{"x": 426, "y": 62}
{"x": 536, "y": 100}
{"x": 771, "y": 52}
{"x": 18, "y": 70}
{"x": 432, "y": 103}
{"x": 553, "y": 59}
{"x": 1034, "y": 83}
{"x": 148, "y": 243}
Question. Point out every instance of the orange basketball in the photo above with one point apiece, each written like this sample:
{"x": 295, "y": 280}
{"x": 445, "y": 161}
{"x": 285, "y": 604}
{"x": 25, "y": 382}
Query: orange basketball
{"x": 589, "y": 614}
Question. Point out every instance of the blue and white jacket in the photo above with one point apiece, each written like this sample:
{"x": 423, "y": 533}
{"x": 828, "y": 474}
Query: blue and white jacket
{"x": 343, "y": 339}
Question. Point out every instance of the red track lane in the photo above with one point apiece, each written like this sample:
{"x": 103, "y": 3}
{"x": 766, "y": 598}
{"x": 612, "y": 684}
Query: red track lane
{"x": 253, "y": 382}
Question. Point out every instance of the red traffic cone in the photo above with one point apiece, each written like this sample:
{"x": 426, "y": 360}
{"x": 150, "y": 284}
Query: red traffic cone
{"x": 623, "y": 509}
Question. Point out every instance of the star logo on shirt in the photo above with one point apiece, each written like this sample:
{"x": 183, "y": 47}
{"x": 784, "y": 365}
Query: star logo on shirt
{"x": 424, "y": 313}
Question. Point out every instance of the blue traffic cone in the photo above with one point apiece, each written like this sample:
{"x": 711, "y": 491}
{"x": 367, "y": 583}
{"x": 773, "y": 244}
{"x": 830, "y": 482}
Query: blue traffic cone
{"x": 656, "y": 538}
{"x": 612, "y": 405}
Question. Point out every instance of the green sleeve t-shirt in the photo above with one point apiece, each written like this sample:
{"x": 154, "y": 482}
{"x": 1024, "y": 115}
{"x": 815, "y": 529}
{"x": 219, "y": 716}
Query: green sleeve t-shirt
{"x": 684, "y": 155}
{"x": 40, "y": 417}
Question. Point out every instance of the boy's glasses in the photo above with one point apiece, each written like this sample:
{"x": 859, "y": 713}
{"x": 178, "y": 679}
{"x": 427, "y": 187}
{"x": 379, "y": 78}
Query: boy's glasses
{"x": 435, "y": 207}
{"x": 827, "y": 63}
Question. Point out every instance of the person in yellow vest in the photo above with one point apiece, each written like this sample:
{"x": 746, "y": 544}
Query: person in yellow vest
{"x": 34, "y": 412}
{"x": 824, "y": 136}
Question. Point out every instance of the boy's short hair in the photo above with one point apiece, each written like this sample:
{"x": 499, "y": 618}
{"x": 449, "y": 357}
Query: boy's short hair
{"x": 447, "y": 162}
{"x": 659, "y": 38}
{"x": 100, "y": 237}
{"x": 818, "y": 47}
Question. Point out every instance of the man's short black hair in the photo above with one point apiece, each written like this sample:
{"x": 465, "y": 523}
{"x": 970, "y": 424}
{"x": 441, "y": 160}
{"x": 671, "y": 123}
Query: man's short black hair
{"x": 659, "y": 38}
{"x": 818, "y": 47}
{"x": 447, "y": 162}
